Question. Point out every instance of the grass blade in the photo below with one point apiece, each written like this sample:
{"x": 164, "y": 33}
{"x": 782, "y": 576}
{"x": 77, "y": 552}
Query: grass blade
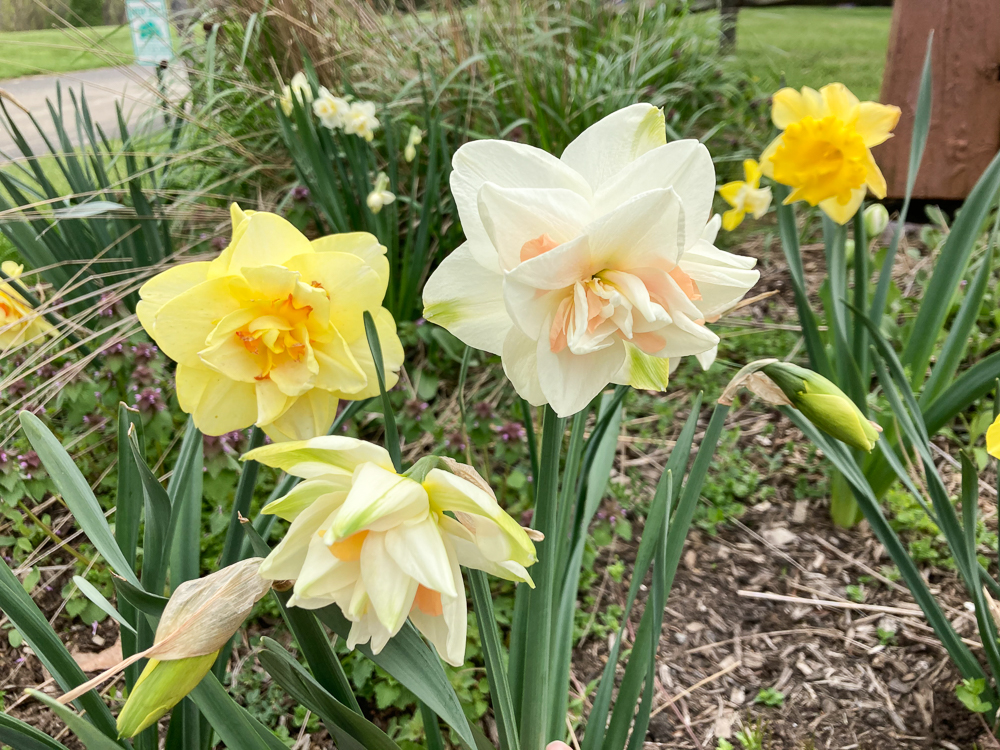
{"x": 391, "y": 433}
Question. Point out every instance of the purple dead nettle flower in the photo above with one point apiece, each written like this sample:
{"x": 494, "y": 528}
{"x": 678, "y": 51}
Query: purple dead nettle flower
{"x": 143, "y": 375}
{"x": 114, "y": 350}
{"x": 29, "y": 462}
{"x": 419, "y": 322}
{"x": 227, "y": 443}
{"x": 149, "y": 400}
{"x": 47, "y": 372}
{"x": 300, "y": 193}
{"x": 511, "y": 432}
{"x": 109, "y": 306}
{"x": 455, "y": 441}
{"x": 18, "y": 388}
{"x": 415, "y": 408}
{"x": 483, "y": 411}
{"x": 4, "y": 461}
{"x": 220, "y": 243}
{"x": 144, "y": 352}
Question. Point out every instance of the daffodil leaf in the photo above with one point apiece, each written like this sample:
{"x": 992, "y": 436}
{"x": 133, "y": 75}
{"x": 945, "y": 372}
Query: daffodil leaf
{"x": 17, "y": 734}
{"x": 89, "y": 735}
{"x": 89, "y": 591}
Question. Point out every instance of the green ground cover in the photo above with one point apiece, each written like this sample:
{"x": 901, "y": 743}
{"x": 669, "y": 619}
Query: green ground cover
{"x": 814, "y": 46}
{"x": 26, "y": 53}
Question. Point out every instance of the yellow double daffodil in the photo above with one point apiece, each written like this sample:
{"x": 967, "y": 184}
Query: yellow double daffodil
{"x": 18, "y": 322}
{"x": 272, "y": 332}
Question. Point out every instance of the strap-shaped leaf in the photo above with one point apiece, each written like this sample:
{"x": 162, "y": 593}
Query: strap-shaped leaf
{"x": 87, "y": 732}
{"x": 89, "y": 591}
{"x": 76, "y": 493}
{"x": 234, "y": 725}
{"x": 299, "y": 684}
{"x": 21, "y": 736}
{"x": 185, "y": 491}
{"x": 495, "y": 659}
{"x": 391, "y": 433}
{"x": 407, "y": 658}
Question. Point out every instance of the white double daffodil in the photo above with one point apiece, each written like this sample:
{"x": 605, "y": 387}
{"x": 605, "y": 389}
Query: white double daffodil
{"x": 592, "y": 268}
{"x": 385, "y": 546}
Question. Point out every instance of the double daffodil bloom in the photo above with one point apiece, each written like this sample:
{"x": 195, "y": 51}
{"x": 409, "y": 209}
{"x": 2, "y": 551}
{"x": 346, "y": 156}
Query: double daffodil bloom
{"x": 385, "y": 546}
{"x": 18, "y": 322}
{"x": 591, "y": 268}
{"x": 272, "y": 331}
{"x": 745, "y": 197}
{"x": 824, "y": 153}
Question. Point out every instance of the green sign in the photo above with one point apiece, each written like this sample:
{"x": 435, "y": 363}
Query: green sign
{"x": 150, "y": 31}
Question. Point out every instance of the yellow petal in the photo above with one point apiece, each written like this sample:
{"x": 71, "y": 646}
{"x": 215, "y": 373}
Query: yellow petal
{"x": 730, "y": 191}
{"x": 217, "y": 403}
{"x": 266, "y": 239}
{"x": 392, "y": 357}
{"x": 352, "y": 285}
{"x": 163, "y": 287}
{"x": 321, "y": 456}
{"x": 789, "y": 105}
{"x": 876, "y": 121}
{"x": 271, "y": 402}
{"x": 843, "y": 212}
{"x": 732, "y": 219}
{"x": 310, "y": 415}
{"x": 362, "y": 244}
{"x": 993, "y": 439}
{"x": 766, "y": 165}
{"x": 752, "y": 171}
{"x": 874, "y": 179}
{"x": 840, "y": 102}
{"x": 339, "y": 370}
{"x": 182, "y": 326}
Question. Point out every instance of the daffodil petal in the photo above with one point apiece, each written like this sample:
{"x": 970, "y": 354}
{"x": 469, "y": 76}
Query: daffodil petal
{"x": 379, "y": 499}
{"x": 217, "y": 403}
{"x": 419, "y": 550}
{"x": 390, "y": 588}
{"x": 325, "y": 456}
{"x": 876, "y": 122}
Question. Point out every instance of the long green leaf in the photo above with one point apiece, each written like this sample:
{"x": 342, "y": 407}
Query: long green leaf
{"x": 391, "y": 433}
{"x": 21, "y": 736}
{"x": 87, "y": 732}
{"x": 234, "y": 725}
{"x": 948, "y": 272}
{"x": 76, "y": 493}
{"x": 299, "y": 684}
{"x": 89, "y": 591}
{"x": 494, "y": 657}
{"x": 407, "y": 658}
{"x": 155, "y": 543}
{"x": 185, "y": 491}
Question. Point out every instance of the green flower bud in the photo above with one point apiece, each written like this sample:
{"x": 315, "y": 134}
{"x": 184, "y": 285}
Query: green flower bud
{"x": 876, "y": 219}
{"x": 848, "y": 252}
{"x": 160, "y": 687}
{"x": 823, "y": 404}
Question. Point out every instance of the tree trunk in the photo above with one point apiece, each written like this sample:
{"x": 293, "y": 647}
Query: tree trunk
{"x": 728, "y": 9}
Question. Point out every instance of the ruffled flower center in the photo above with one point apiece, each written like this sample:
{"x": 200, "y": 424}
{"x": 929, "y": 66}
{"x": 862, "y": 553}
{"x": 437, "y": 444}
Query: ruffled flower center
{"x": 821, "y": 159}
{"x": 278, "y": 333}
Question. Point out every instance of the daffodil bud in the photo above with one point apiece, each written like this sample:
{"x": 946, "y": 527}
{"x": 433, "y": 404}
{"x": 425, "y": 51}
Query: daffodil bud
{"x": 160, "y": 687}
{"x": 198, "y": 621}
{"x": 876, "y": 220}
{"x": 410, "y": 152}
{"x": 822, "y": 402}
{"x": 848, "y": 252}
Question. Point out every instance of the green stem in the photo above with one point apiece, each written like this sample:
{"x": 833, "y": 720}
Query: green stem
{"x": 537, "y": 656}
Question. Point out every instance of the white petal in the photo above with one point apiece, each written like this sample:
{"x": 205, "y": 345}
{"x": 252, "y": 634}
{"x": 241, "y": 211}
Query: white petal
{"x": 505, "y": 164}
{"x": 645, "y": 231}
{"x": 608, "y": 146}
{"x": 705, "y": 359}
{"x": 286, "y": 560}
{"x": 685, "y": 166}
{"x": 448, "y": 632}
{"x": 328, "y": 455}
{"x": 390, "y": 588}
{"x": 643, "y": 371}
{"x": 419, "y": 550}
{"x": 379, "y": 499}
{"x": 515, "y": 216}
{"x": 571, "y": 381}
{"x": 324, "y": 575}
{"x": 722, "y": 278}
{"x": 303, "y": 495}
{"x": 712, "y": 229}
{"x": 520, "y": 363}
{"x": 465, "y": 298}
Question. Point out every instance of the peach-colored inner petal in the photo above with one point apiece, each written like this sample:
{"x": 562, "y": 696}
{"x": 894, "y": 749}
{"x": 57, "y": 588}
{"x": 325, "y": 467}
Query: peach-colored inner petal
{"x": 686, "y": 283}
{"x": 533, "y": 248}
{"x": 349, "y": 549}
{"x": 428, "y": 601}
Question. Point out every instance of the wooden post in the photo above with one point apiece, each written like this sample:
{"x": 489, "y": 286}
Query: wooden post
{"x": 965, "y": 116}
{"x": 728, "y": 10}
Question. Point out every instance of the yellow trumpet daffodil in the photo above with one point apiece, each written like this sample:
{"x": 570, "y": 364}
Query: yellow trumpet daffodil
{"x": 745, "y": 197}
{"x": 386, "y": 547}
{"x": 18, "y": 322}
{"x": 993, "y": 439}
{"x": 824, "y": 153}
{"x": 272, "y": 332}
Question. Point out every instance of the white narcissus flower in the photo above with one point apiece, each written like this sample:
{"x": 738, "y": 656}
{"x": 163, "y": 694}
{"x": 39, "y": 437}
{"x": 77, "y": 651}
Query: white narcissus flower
{"x": 300, "y": 88}
{"x": 380, "y": 195}
{"x": 331, "y": 110}
{"x": 384, "y": 546}
{"x": 588, "y": 269}
{"x": 360, "y": 120}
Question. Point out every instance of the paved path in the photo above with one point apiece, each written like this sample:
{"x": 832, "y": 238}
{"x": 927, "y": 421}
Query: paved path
{"x": 134, "y": 86}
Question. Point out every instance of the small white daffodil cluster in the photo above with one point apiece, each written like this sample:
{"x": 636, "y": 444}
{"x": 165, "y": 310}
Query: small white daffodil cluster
{"x": 380, "y": 195}
{"x": 334, "y": 112}
{"x": 410, "y": 152}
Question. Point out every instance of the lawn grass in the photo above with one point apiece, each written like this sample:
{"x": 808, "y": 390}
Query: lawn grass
{"x": 815, "y": 46}
{"x": 26, "y": 53}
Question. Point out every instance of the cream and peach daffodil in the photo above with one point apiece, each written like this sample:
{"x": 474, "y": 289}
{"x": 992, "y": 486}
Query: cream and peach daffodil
{"x": 18, "y": 322}
{"x": 592, "y": 268}
{"x": 745, "y": 197}
{"x": 298, "y": 87}
{"x": 384, "y": 546}
{"x": 360, "y": 120}
{"x": 331, "y": 110}
{"x": 824, "y": 153}
{"x": 272, "y": 331}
